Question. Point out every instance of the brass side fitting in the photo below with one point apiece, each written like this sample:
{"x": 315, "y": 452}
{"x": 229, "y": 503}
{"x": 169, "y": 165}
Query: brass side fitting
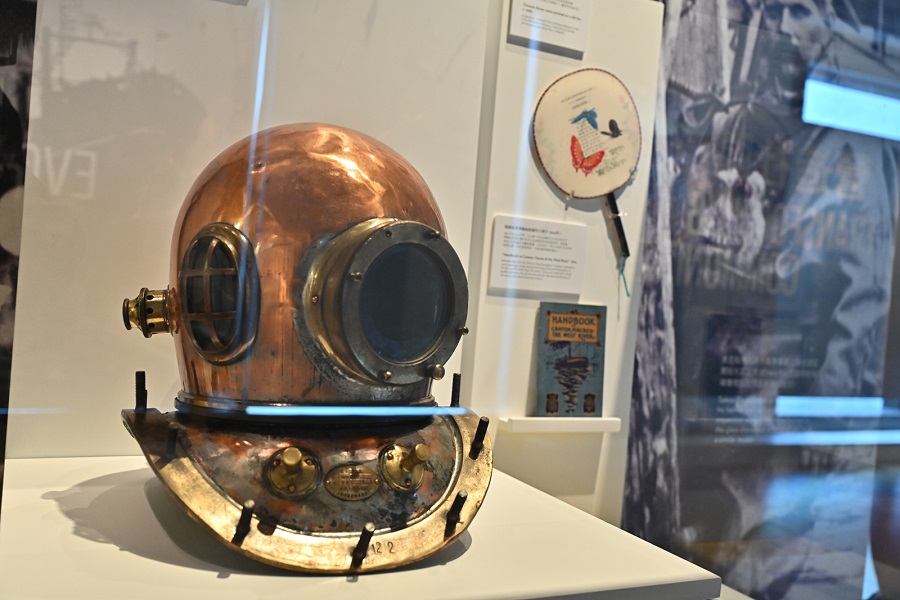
{"x": 292, "y": 474}
{"x": 149, "y": 312}
{"x": 404, "y": 469}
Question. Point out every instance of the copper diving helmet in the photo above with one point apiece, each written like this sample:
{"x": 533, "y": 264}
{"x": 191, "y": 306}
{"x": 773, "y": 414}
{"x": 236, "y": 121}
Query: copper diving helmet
{"x": 313, "y": 297}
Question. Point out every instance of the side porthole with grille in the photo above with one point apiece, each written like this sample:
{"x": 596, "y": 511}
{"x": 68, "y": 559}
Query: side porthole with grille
{"x": 220, "y": 293}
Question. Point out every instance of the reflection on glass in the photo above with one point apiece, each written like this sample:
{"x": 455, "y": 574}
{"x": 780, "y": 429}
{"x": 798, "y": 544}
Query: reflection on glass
{"x": 850, "y": 109}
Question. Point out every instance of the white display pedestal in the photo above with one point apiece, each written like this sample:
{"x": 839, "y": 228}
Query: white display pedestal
{"x": 106, "y": 528}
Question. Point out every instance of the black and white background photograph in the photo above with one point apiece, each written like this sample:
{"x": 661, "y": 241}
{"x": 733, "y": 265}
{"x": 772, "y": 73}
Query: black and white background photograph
{"x": 759, "y": 404}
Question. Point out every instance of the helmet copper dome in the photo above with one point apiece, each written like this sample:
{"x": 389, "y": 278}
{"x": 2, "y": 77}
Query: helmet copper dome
{"x": 313, "y": 297}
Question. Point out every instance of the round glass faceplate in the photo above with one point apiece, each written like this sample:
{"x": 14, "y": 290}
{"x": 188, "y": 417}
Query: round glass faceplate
{"x": 405, "y": 303}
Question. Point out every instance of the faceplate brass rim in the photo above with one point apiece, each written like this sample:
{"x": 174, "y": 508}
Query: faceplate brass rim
{"x": 331, "y": 297}
{"x": 321, "y": 295}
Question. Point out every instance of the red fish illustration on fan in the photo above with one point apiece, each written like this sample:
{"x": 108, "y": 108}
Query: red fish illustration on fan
{"x": 583, "y": 163}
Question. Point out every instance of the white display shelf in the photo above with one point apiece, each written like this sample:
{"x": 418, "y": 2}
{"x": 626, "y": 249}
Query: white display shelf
{"x": 105, "y": 527}
{"x": 560, "y": 424}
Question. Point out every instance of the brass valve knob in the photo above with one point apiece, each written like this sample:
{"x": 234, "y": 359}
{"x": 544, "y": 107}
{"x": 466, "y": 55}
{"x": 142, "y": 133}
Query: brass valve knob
{"x": 290, "y": 473}
{"x": 418, "y": 456}
{"x": 291, "y": 458}
{"x": 404, "y": 469}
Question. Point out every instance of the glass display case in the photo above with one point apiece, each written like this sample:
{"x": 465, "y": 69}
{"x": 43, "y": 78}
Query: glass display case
{"x": 128, "y": 104}
{"x": 748, "y": 414}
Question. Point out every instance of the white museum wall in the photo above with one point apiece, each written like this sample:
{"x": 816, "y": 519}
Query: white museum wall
{"x": 499, "y": 358}
{"x": 131, "y": 100}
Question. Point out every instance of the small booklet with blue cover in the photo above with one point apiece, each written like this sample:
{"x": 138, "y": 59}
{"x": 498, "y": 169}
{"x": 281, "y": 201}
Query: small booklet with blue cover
{"x": 571, "y": 344}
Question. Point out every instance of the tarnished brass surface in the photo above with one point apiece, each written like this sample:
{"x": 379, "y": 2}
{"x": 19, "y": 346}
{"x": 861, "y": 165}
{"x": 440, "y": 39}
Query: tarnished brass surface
{"x": 286, "y": 188}
{"x": 284, "y": 532}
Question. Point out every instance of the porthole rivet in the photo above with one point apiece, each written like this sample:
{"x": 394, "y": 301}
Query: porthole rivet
{"x": 314, "y": 298}
{"x": 433, "y": 234}
{"x": 355, "y": 276}
{"x": 388, "y": 233}
{"x": 386, "y": 375}
{"x": 464, "y": 330}
{"x": 436, "y": 371}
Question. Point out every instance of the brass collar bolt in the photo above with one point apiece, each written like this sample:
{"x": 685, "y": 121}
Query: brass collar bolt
{"x": 362, "y": 546}
{"x": 172, "y": 441}
{"x": 140, "y": 391}
{"x": 454, "y": 394}
{"x": 454, "y": 515}
{"x": 478, "y": 440}
{"x": 243, "y": 526}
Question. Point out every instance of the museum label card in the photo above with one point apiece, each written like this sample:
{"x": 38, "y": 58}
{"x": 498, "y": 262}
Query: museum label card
{"x": 554, "y": 26}
{"x": 538, "y": 256}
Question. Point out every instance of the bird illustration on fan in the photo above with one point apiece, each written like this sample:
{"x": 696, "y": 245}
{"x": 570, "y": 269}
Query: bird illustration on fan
{"x": 583, "y": 163}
